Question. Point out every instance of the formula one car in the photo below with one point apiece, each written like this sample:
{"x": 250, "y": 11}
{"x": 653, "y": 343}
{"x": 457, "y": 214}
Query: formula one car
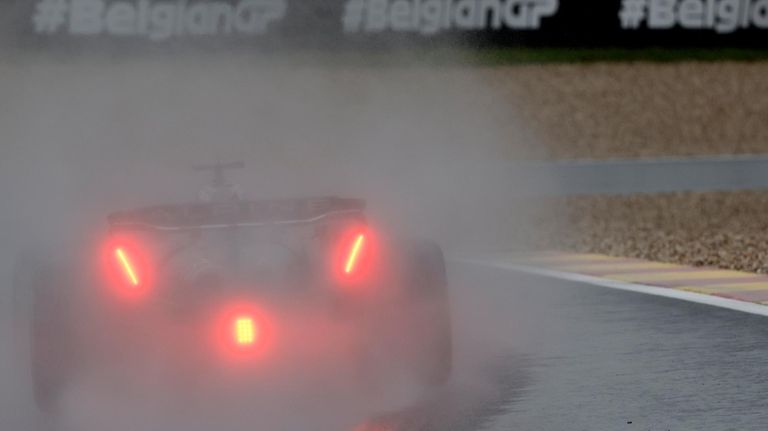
{"x": 227, "y": 289}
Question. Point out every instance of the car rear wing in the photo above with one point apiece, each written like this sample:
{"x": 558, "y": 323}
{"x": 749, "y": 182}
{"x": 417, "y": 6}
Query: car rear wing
{"x": 240, "y": 213}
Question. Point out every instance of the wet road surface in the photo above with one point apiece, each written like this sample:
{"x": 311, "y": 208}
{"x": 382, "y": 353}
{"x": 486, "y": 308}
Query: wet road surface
{"x": 540, "y": 354}
{"x": 543, "y": 354}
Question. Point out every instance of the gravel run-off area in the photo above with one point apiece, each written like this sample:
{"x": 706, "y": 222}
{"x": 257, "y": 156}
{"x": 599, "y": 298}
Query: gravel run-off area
{"x": 721, "y": 229}
{"x": 637, "y": 110}
{"x": 617, "y": 110}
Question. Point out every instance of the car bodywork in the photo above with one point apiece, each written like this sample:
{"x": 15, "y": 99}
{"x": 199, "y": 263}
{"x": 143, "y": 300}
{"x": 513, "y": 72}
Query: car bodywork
{"x": 240, "y": 291}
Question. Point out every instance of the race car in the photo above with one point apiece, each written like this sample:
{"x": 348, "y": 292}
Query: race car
{"x": 239, "y": 291}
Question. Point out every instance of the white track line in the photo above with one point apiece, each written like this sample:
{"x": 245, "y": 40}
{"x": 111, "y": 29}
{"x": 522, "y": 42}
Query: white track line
{"x": 715, "y": 301}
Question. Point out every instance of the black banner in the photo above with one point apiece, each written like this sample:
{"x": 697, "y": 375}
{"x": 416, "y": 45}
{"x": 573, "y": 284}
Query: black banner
{"x": 340, "y": 23}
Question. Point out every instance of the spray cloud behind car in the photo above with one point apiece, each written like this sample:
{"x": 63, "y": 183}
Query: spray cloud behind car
{"x": 88, "y": 135}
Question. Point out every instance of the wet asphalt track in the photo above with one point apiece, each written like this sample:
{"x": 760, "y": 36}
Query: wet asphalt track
{"x": 560, "y": 355}
{"x": 541, "y": 354}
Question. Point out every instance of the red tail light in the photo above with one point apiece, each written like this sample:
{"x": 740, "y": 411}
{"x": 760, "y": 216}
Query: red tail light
{"x": 241, "y": 331}
{"x": 352, "y": 256}
{"x": 127, "y": 267}
{"x": 244, "y": 331}
{"x": 129, "y": 271}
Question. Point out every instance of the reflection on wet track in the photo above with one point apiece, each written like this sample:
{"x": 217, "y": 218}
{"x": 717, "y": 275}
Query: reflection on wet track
{"x": 456, "y": 408}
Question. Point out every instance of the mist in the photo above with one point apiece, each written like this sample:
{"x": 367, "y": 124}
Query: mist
{"x": 429, "y": 149}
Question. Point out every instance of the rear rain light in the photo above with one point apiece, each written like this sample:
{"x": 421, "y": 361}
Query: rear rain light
{"x": 244, "y": 331}
{"x": 240, "y": 330}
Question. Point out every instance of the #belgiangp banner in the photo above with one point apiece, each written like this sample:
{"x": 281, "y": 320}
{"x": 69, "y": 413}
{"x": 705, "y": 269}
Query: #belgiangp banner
{"x": 338, "y": 23}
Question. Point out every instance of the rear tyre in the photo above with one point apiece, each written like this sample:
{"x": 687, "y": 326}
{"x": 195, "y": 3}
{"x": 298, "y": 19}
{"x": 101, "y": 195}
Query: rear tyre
{"x": 406, "y": 334}
{"x": 428, "y": 305}
{"x": 41, "y": 327}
